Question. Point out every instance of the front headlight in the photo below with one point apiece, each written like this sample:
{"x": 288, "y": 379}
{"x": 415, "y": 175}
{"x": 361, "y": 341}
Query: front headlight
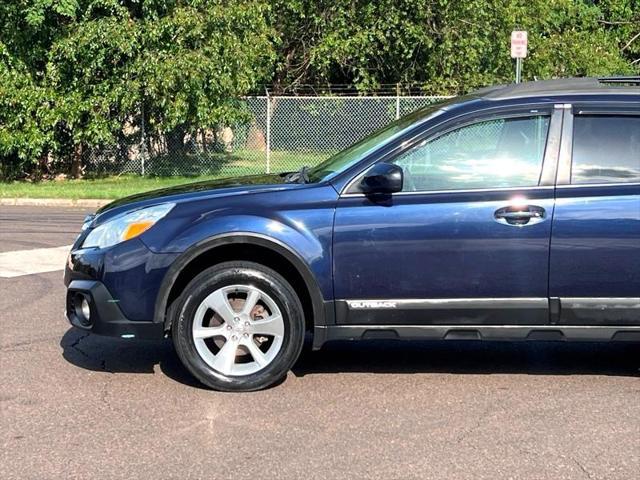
{"x": 126, "y": 226}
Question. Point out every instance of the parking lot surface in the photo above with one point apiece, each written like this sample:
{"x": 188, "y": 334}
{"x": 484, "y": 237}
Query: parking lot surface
{"x": 75, "y": 405}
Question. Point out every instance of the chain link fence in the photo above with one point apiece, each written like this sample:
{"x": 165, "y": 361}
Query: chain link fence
{"x": 279, "y": 134}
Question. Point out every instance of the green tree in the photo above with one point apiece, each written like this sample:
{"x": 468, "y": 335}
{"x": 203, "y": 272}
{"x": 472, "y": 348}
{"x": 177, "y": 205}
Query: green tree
{"x": 97, "y": 64}
{"x": 449, "y": 45}
{"x": 75, "y": 73}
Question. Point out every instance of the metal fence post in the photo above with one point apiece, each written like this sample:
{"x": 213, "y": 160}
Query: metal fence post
{"x": 143, "y": 147}
{"x": 268, "y": 132}
{"x": 397, "y": 101}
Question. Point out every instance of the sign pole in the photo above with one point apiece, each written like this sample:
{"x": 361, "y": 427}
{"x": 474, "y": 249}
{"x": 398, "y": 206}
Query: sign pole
{"x": 519, "y": 44}
{"x": 268, "y": 139}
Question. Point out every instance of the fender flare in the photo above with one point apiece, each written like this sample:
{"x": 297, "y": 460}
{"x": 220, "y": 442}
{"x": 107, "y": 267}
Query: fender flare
{"x": 321, "y": 309}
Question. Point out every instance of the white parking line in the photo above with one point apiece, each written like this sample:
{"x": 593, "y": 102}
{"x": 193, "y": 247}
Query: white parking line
{"x": 38, "y": 260}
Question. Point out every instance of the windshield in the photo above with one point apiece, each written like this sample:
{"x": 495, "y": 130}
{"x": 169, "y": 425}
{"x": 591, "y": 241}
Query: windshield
{"x": 346, "y": 158}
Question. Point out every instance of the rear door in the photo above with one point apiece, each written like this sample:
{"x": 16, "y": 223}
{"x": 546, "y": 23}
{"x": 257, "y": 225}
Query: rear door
{"x": 595, "y": 246}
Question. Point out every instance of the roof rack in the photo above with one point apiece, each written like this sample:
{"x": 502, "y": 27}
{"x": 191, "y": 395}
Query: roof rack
{"x": 614, "y": 85}
{"x": 633, "y": 80}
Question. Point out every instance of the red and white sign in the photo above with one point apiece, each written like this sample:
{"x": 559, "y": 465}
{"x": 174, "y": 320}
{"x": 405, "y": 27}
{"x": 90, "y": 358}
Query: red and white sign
{"x": 519, "y": 43}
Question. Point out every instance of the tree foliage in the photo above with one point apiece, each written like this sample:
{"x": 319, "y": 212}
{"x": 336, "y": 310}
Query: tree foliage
{"x": 451, "y": 46}
{"x": 74, "y": 72}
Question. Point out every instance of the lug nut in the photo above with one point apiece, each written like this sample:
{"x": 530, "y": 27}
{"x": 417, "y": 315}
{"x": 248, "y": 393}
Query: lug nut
{"x": 229, "y": 327}
{"x": 246, "y": 324}
{"x": 236, "y": 319}
{"x": 234, "y": 337}
{"x": 245, "y": 335}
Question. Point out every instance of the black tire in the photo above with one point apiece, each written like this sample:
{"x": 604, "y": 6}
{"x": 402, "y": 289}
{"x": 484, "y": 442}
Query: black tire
{"x": 241, "y": 273}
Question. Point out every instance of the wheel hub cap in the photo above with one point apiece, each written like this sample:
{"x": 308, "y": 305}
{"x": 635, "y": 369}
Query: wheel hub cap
{"x": 238, "y": 330}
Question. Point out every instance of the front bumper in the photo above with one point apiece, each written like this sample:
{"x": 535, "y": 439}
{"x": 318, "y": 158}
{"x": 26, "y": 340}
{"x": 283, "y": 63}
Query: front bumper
{"x": 130, "y": 272}
{"x": 105, "y": 316}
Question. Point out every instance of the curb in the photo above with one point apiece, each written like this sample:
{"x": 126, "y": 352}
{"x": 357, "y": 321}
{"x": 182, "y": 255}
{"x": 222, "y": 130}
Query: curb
{"x": 54, "y": 202}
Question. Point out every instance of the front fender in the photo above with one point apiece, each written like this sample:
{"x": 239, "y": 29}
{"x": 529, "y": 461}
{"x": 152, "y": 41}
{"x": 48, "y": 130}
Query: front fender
{"x": 306, "y": 233}
{"x": 298, "y": 225}
{"x": 321, "y": 308}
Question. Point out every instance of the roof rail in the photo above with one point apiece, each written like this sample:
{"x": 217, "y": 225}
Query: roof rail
{"x": 633, "y": 80}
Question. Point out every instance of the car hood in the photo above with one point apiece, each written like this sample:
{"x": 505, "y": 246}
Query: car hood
{"x": 194, "y": 191}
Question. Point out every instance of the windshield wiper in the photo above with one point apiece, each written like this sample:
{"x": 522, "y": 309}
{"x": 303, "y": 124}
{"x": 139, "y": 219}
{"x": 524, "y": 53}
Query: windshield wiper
{"x": 301, "y": 176}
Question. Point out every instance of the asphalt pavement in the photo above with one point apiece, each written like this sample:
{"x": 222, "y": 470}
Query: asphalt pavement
{"x": 75, "y": 405}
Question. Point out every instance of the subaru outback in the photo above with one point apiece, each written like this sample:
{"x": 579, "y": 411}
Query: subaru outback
{"x": 512, "y": 213}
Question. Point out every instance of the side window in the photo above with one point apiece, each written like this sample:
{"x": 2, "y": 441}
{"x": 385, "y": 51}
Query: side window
{"x": 606, "y": 149}
{"x": 497, "y": 153}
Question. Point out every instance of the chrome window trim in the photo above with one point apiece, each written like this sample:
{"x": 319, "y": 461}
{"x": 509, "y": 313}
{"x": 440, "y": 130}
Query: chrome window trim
{"x": 565, "y": 163}
{"x": 440, "y": 192}
{"x": 608, "y": 113}
{"x": 587, "y": 185}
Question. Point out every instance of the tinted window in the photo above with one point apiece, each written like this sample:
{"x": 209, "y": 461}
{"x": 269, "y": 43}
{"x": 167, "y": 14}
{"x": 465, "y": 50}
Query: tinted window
{"x": 498, "y": 153}
{"x": 606, "y": 149}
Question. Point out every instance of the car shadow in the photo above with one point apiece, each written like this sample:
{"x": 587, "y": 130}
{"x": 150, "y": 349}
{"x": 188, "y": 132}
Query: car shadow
{"x": 473, "y": 357}
{"x": 113, "y": 355}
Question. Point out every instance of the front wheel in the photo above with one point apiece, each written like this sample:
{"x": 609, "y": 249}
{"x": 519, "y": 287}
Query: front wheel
{"x": 239, "y": 327}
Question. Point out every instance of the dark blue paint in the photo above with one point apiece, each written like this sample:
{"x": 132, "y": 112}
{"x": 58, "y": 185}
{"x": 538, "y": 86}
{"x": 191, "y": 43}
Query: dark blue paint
{"x": 595, "y": 247}
{"x": 131, "y": 272}
{"x": 405, "y": 246}
{"x": 439, "y": 246}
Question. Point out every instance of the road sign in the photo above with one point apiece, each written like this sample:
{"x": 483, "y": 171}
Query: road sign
{"x": 519, "y": 42}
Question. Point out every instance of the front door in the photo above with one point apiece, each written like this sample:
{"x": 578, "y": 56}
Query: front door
{"x": 466, "y": 241}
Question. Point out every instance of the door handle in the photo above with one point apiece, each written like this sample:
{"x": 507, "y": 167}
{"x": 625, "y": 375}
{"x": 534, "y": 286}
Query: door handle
{"x": 520, "y": 215}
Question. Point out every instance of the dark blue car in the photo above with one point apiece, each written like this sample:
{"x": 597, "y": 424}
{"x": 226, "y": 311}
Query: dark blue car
{"x": 512, "y": 213}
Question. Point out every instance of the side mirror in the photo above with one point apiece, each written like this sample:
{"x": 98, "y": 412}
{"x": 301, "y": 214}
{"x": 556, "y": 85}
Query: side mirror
{"x": 382, "y": 178}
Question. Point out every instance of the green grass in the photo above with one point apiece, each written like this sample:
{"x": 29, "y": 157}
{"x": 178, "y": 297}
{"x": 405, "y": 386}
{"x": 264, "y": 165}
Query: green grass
{"x": 120, "y": 186}
{"x": 103, "y": 188}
